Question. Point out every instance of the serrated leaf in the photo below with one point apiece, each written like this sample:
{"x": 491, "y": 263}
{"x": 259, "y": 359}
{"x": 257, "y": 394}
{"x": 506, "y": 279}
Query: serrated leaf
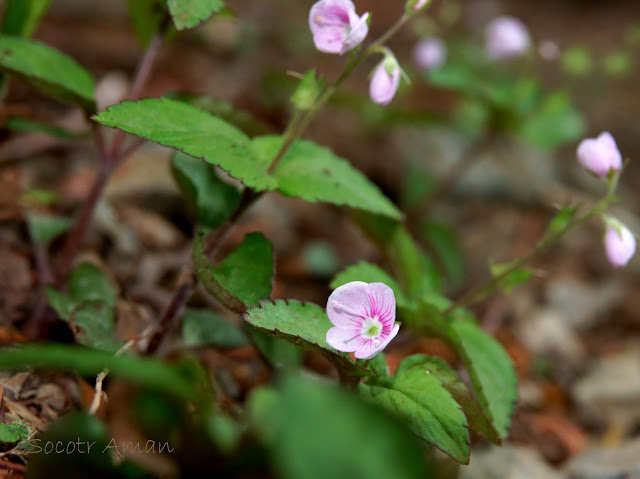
{"x": 341, "y": 425}
{"x": 213, "y": 199}
{"x": 21, "y": 17}
{"x": 45, "y": 228}
{"x": 423, "y": 402}
{"x": 302, "y": 324}
{"x": 242, "y": 278}
{"x": 193, "y": 131}
{"x": 472, "y": 409}
{"x": 11, "y": 434}
{"x": 314, "y": 173}
{"x": 146, "y": 372}
{"x": 491, "y": 371}
{"x": 369, "y": 273}
{"x": 146, "y": 17}
{"x": 205, "y": 328}
{"x": 93, "y": 325}
{"x": 189, "y": 13}
{"x": 88, "y": 283}
{"x": 48, "y": 70}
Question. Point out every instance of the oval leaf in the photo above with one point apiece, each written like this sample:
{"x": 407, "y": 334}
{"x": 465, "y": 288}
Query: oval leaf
{"x": 48, "y": 70}
{"x": 189, "y": 13}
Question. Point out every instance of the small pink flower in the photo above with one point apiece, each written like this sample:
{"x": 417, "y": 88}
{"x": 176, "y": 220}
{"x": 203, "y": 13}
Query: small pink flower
{"x": 600, "y": 155}
{"x": 506, "y": 37}
{"x": 385, "y": 81}
{"x": 363, "y": 316}
{"x": 429, "y": 53}
{"x": 619, "y": 244}
{"x": 336, "y": 26}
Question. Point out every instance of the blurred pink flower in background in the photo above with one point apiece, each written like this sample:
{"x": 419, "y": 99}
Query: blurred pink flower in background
{"x": 336, "y": 26}
{"x": 619, "y": 243}
{"x": 429, "y": 53}
{"x": 600, "y": 155}
{"x": 506, "y": 37}
{"x": 364, "y": 318}
{"x": 385, "y": 81}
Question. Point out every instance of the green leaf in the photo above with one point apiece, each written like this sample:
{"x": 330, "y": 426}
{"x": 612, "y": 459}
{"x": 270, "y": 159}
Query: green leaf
{"x": 314, "y": 173}
{"x": 423, "y": 402}
{"x": 478, "y": 420}
{"x": 93, "y": 325}
{"x": 307, "y": 91}
{"x": 241, "y": 279}
{"x": 11, "y": 434}
{"x": 302, "y": 324}
{"x": 88, "y": 283}
{"x": 203, "y": 328}
{"x": 45, "y": 228}
{"x": 213, "y": 199}
{"x": 278, "y": 352}
{"x": 145, "y": 372}
{"x": 21, "y": 17}
{"x": 193, "y": 131}
{"x": 511, "y": 279}
{"x": 562, "y": 219}
{"x": 369, "y": 273}
{"x": 48, "y": 70}
{"x": 189, "y": 13}
{"x": 146, "y": 17}
{"x": 491, "y": 370}
{"x": 323, "y": 432}
{"x": 60, "y": 302}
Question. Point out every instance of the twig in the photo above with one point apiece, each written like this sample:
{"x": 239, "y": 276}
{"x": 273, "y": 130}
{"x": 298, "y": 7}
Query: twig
{"x": 97, "y": 397}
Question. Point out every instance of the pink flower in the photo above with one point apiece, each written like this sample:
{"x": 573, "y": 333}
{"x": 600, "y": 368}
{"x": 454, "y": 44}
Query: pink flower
{"x": 619, "y": 244}
{"x": 429, "y": 53}
{"x": 506, "y": 37}
{"x": 363, "y": 316}
{"x": 336, "y": 26}
{"x": 600, "y": 155}
{"x": 385, "y": 81}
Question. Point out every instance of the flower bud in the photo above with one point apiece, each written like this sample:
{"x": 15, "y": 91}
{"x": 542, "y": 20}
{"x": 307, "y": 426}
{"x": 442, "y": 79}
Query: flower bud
{"x": 336, "y": 26}
{"x": 429, "y": 53}
{"x": 619, "y": 243}
{"x": 417, "y": 5}
{"x": 385, "y": 81}
{"x": 506, "y": 37}
{"x": 600, "y": 155}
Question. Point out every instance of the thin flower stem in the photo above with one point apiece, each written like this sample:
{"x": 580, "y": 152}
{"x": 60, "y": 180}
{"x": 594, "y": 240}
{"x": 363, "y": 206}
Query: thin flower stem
{"x": 545, "y": 242}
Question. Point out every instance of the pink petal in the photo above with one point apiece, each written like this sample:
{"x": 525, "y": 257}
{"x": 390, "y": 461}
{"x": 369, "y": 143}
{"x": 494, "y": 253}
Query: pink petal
{"x": 619, "y": 246}
{"x": 357, "y": 33}
{"x": 369, "y": 349}
{"x": 348, "y": 305}
{"x": 600, "y": 155}
{"x": 383, "y": 86}
{"x": 383, "y": 303}
{"x": 344, "y": 340}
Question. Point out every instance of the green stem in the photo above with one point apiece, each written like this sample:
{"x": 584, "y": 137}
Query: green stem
{"x": 546, "y": 241}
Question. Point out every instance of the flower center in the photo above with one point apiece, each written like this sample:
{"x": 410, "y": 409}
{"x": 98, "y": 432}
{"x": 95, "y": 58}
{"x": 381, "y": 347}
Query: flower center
{"x": 371, "y": 328}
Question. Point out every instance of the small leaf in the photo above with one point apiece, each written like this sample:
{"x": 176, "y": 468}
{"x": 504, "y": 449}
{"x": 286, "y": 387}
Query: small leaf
{"x": 369, "y": 273}
{"x": 323, "y": 432}
{"x": 193, "y": 131}
{"x": 189, "y": 13}
{"x": 45, "y": 228}
{"x": 478, "y": 421}
{"x": 93, "y": 325}
{"x": 302, "y": 324}
{"x": 88, "y": 283}
{"x": 204, "y": 328}
{"x": 491, "y": 370}
{"x": 511, "y": 279}
{"x": 11, "y": 435}
{"x": 213, "y": 199}
{"x": 422, "y": 401}
{"x": 146, "y": 17}
{"x": 280, "y": 353}
{"x": 241, "y": 279}
{"x": 307, "y": 91}
{"x": 21, "y": 17}
{"x": 314, "y": 173}
{"x": 48, "y": 70}
{"x": 24, "y": 125}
